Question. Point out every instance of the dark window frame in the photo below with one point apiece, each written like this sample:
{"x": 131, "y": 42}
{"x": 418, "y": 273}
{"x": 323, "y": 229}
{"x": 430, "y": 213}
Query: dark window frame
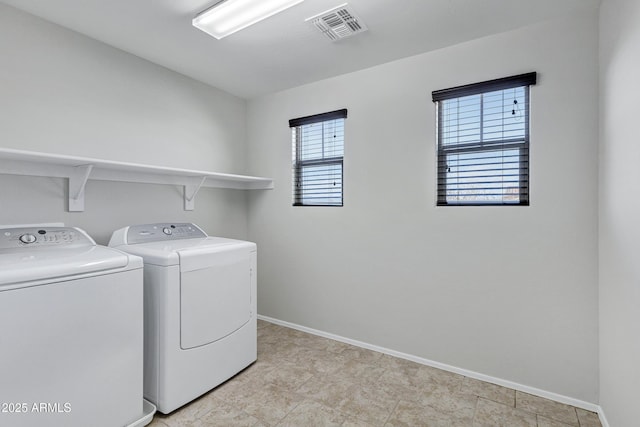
{"x": 299, "y": 164}
{"x": 482, "y": 146}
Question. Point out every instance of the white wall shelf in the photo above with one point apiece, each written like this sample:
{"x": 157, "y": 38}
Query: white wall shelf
{"x": 78, "y": 170}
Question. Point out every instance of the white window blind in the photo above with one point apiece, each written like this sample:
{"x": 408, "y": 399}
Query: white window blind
{"x": 317, "y": 156}
{"x": 483, "y": 142}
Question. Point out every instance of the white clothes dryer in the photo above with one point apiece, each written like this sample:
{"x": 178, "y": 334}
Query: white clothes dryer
{"x": 200, "y": 308}
{"x": 72, "y": 334}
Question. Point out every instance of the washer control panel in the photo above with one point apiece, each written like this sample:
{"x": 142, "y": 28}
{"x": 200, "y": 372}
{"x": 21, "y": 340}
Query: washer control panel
{"x": 162, "y": 232}
{"x": 34, "y": 237}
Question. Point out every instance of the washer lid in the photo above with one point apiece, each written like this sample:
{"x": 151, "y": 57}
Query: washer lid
{"x": 26, "y": 265}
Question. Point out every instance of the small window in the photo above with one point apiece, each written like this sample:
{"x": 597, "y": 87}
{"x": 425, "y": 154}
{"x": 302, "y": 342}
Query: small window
{"x": 318, "y": 151}
{"x": 483, "y": 142}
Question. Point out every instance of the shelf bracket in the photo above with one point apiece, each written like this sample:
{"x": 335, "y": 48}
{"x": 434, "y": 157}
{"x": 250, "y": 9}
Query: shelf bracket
{"x": 190, "y": 192}
{"x": 77, "y": 181}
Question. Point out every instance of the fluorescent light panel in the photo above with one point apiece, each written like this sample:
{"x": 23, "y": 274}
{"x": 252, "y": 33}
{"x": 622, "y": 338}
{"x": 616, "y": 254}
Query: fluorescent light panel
{"x": 229, "y": 16}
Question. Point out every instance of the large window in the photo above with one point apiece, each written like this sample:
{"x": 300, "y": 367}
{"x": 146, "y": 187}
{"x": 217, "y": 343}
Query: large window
{"x": 483, "y": 142}
{"x": 318, "y": 151}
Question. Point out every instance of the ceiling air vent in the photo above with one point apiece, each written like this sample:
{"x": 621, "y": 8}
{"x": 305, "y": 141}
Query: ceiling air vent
{"x": 338, "y": 23}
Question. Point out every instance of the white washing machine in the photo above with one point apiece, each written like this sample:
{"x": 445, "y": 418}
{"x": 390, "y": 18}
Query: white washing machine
{"x": 200, "y": 309}
{"x": 72, "y": 333}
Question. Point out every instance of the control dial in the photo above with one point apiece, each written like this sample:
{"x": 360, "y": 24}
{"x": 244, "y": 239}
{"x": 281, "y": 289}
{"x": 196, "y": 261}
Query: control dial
{"x": 167, "y": 231}
{"x": 28, "y": 238}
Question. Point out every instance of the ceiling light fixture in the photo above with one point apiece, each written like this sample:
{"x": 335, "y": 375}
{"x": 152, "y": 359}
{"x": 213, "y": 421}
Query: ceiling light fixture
{"x": 228, "y": 16}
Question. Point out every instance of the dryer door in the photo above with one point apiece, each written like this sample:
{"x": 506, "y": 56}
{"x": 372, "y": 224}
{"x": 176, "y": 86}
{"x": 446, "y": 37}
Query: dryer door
{"x": 215, "y": 294}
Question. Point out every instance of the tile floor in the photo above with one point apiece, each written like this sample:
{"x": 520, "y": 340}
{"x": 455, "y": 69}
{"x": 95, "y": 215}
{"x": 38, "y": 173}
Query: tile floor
{"x": 302, "y": 380}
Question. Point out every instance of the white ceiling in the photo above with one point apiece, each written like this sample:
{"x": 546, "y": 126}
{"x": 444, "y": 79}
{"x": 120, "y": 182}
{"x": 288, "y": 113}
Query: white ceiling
{"x": 284, "y": 51}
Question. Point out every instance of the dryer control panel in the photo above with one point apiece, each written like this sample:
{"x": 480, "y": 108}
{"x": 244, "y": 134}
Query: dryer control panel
{"x": 34, "y": 237}
{"x": 162, "y": 231}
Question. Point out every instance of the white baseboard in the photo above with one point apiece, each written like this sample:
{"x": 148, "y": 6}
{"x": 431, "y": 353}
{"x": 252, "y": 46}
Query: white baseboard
{"x": 499, "y": 381}
{"x": 603, "y": 419}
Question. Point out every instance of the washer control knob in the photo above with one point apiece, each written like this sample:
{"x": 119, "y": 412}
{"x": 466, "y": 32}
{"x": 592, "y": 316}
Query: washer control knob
{"x": 167, "y": 231}
{"x": 27, "y": 238}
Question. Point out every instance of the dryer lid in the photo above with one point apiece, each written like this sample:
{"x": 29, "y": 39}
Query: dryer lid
{"x": 174, "y": 252}
{"x": 22, "y": 265}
